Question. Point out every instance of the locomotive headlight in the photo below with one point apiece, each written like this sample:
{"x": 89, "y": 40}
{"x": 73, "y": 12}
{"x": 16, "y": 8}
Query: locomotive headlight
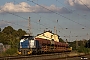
{"x": 30, "y": 52}
{"x": 19, "y": 52}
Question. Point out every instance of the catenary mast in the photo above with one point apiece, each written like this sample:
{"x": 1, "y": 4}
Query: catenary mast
{"x": 29, "y": 27}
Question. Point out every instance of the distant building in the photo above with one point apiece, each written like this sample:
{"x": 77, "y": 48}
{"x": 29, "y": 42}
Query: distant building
{"x": 48, "y": 35}
{"x": 1, "y": 47}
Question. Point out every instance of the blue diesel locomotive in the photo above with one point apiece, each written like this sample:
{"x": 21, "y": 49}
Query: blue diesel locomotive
{"x": 28, "y": 46}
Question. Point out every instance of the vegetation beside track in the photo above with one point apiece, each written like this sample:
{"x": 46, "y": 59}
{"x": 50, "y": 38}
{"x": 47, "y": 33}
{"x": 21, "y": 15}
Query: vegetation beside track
{"x": 45, "y": 56}
{"x": 10, "y": 36}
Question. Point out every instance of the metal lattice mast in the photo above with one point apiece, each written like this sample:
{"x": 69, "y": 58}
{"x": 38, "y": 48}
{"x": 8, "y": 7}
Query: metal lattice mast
{"x": 29, "y": 27}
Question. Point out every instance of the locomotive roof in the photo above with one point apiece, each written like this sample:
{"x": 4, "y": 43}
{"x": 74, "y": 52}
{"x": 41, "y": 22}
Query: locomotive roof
{"x": 32, "y": 37}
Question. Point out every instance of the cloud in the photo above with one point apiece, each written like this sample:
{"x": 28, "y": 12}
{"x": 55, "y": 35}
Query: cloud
{"x": 25, "y": 7}
{"x": 80, "y": 4}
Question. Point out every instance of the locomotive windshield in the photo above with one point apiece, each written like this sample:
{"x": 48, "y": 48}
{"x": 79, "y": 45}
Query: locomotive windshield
{"x": 28, "y": 37}
{"x": 24, "y": 41}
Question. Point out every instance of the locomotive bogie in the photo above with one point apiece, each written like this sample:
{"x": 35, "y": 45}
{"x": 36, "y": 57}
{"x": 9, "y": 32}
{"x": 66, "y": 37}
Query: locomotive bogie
{"x": 24, "y": 51}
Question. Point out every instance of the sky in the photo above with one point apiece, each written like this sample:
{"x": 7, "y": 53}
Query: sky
{"x": 69, "y": 17}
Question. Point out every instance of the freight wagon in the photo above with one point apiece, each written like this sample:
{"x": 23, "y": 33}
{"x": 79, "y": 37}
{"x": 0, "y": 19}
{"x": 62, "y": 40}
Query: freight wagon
{"x": 48, "y": 46}
{"x": 30, "y": 45}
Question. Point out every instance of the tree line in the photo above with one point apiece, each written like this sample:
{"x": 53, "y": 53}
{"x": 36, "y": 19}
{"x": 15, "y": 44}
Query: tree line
{"x": 10, "y": 36}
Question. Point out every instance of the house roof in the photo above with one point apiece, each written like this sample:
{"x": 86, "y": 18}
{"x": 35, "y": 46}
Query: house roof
{"x": 49, "y": 32}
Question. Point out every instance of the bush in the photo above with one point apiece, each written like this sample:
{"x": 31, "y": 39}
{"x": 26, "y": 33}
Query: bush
{"x": 10, "y": 52}
{"x": 83, "y": 50}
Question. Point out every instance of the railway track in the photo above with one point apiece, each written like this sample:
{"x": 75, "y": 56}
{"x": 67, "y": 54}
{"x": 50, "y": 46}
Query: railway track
{"x": 39, "y": 57}
{"x": 22, "y": 57}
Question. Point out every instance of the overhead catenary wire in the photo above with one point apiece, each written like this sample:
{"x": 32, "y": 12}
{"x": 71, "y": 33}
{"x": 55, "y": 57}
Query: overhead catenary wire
{"x": 47, "y": 19}
{"x": 24, "y": 18}
{"x": 37, "y": 29}
{"x": 74, "y": 1}
{"x": 65, "y": 6}
{"x": 53, "y": 12}
{"x": 58, "y": 19}
{"x": 71, "y": 11}
{"x": 58, "y": 14}
{"x": 21, "y": 17}
{"x": 84, "y": 5}
{"x": 13, "y": 23}
{"x": 16, "y": 24}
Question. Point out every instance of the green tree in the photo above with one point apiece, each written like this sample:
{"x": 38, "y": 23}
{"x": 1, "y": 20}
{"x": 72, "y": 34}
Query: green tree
{"x": 21, "y": 32}
{"x": 61, "y": 40}
{"x": 8, "y": 30}
{"x": 11, "y": 37}
{"x": 73, "y": 45}
{"x": 3, "y": 38}
{"x": 87, "y": 44}
{"x": 83, "y": 49}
